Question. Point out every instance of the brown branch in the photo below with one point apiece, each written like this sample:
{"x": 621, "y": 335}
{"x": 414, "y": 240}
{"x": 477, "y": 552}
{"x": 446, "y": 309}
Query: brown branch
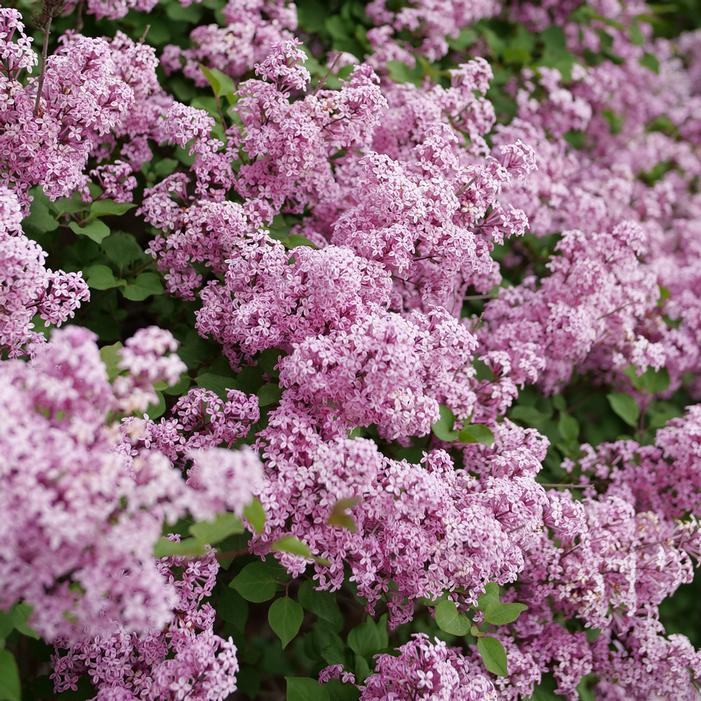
{"x": 325, "y": 77}
{"x": 559, "y": 485}
{"x": 49, "y": 10}
{"x": 42, "y": 73}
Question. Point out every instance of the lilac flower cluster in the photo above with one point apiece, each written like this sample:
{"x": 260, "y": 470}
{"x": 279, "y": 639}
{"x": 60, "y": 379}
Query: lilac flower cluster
{"x": 428, "y": 670}
{"x": 27, "y": 287}
{"x": 251, "y": 30}
{"x": 424, "y": 528}
{"x": 82, "y": 514}
{"x": 184, "y": 661}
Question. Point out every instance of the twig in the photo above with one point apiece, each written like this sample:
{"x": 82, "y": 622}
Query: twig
{"x": 49, "y": 10}
{"x": 79, "y": 11}
{"x": 570, "y": 551}
{"x": 326, "y": 75}
{"x": 478, "y": 297}
{"x": 44, "y": 51}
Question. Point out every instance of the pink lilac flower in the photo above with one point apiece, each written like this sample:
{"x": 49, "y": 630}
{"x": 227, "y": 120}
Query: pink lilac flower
{"x": 426, "y": 527}
{"x": 582, "y": 315}
{"x": 430, "y": 671}
{"x": 27, "y": 287}
{"x": 82, "y": 515}
{"x": 186, "y": 661}
{"x": 432, "y": 22}
{"x": 252, "y": 29}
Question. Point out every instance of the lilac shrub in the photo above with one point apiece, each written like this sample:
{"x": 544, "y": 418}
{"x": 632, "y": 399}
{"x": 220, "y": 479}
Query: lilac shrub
{"x": 386, "y": 314}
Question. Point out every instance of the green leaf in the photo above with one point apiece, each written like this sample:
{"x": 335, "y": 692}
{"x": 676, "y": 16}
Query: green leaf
{"x": 576, "y": 139}
{"x": 232, "y": 608}
{"x": 123, "y": 250}
{"x": 335, "y": 26}
{"x": 217, "y": 383}
{"x": 494, "y": 41}
{"x": 20, "y": 614}
{"x": 398, "y": 71}
{"x": 635, "y": 33}
{"x": 153, "y": 411}
{"x": 189, "y": 547}
{"x": 367, "y": 638}
{"x": 95, "y": 230}
{"x": 516, "y": 54}
{"x": 624, "y": 406}
{"x": 587, "y": 688}
{"x": 493, "y": 655}
{"x": 651, "y": 381}
{"x": 40, "y": 217}
{"x": 501, "y": 614}
{"x": 615, "y": 121}
{"x": 553, "y": 38}
{"x": 339, "y": 515}
{"x": 650, "y": 61}
{"x": 105, "y": 208}
{"x": 145, "y": 285}
{"x": 268, "y": 394}
{"x": 110, "y": 356}
{"x": 69, "y": 205}
{"x": 555, "y": 53}
{"x": 256, "y": 582}
{"x": 443, "y": 427}
{"x": 100, "y": 277}
{"x": 476, "y": 433}
{"x": 361, "y": 669}
{"x": 285, "y": 618}
{"x": 7, "y": 624}
{"x": 660, "y": 413}
{"x": 10, "y": 689}
{"x": 180, "y": 387}
{"x": 184, "y": 13}
{"x": 255, "y": 515}
{"x": 338, "y": 691}
{"x": 546, "y": 690}
{"x": 212, "y": 532}
{"x": 311, "y": 15}
{"x": 490, "y": 597}
{"x": 279, "y": 228}
{"x": 654, "y": 381}
{"x": 467, "y": 37}
{"x": 322, "y": 604}
{"x": 305, "y": 689}
{"x": 328, "y": 643}
{"x": 450, "y": 620}
{"x": 559, "y": 402}
{"x": 164, "y": 167}
{"x": 528, "y": 415}
{"x": 297, "y": 240}
{"x": 291, "y": 544}
{"x": 221, "y": 83}
{"x": 568, "y": 427}
{"x": 482, "y": 371}
{"x": 269, "y": 358}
